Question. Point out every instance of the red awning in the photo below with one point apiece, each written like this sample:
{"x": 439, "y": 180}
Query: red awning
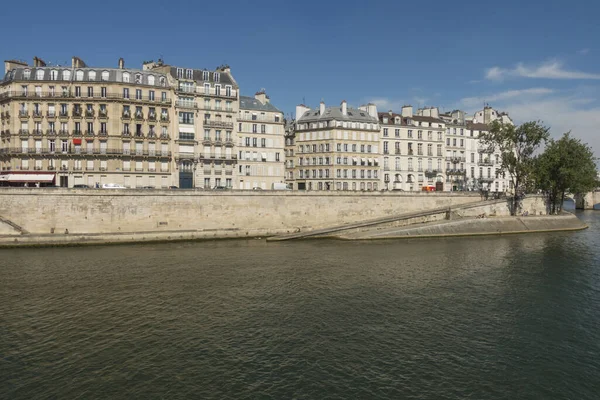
{"x": 76, "y": 141}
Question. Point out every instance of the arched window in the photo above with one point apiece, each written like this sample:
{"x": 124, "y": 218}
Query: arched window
{"x": 39, "y": 74}
{"x": 53, "y": 75}
{"x": 92, "y": 75}
{"x": 138, "y": 79}
{"x": 151, "y": 80}
{"x": 125, "y": 77}
{"x": 66, "y": 75}
{"x": 104, "y": 75}
{"x": 163, "y": 82}
{"x": 79, "y": 75}
{"x": 26, "y": 74}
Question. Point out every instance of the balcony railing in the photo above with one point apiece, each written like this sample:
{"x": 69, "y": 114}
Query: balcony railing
{"x": 487, "y": 179}
{"x": 456, "y": 171}
{"x": 86, "y": 151}
{"x": 455, "y": 159}
{"x": 89, "y": 113}
{"x": 23, "y": 114}
{"x": 218, "y": 124}
{"x": 24, "y": 132}
{"x": 488, "y": 149}
{"x": 93, "y": 96}
{"x": 186, "y": 104}
{"x": 485, "y": 163}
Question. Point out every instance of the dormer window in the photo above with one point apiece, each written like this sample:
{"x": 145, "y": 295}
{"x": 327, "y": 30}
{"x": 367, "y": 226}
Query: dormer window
{"x": 104, "y": 76}
{"x": 138, "y": 79}
{"x": 66, "y": 75}
{"x": 79, "y": 75}
{"x": 39, "y": 74}
{"x": 189, "y": 74}
{"x": 163, "y": 82}
{"x": 27, "y": 74}
{"x": 151, "y": 80}
{"x": 216, "y": 76}
{"x": 205, "y": 75}
{"x": 126, "y": 77}
{"x": 179, "y": 72}
{"x": 92, "y": 75}
{"x": 228, "y": 91}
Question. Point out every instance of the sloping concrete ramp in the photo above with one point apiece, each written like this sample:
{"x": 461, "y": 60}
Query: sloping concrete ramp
{"x": 8, "y": 227}
{"x": 438, "y": 214}
{"x": 474, "y": 227}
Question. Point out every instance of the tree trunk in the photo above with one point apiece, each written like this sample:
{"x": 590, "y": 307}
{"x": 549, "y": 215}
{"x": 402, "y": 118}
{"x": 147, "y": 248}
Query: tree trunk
{"x": 562, "y": 201}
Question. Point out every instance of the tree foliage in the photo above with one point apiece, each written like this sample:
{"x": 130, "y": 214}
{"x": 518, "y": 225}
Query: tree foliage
{"x": 517, "y": 145}
{"x": 566, "y": 166}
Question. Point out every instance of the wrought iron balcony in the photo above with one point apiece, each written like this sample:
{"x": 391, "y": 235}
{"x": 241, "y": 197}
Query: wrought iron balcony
{"x": 455, "y": 159}
{"x": 63, "y": 133}
{"x": 164, "y": 118}
{"x": 485, "y": 163}
{"x": 102, "y": 114}
{"x": 487, "y": 179}
{"x": 24, "y": 132}
{"x": 218, "y": 124}
{"x": 89, "y": 113}
{"x": 152, "y": 116}
{"x": 23, "y": 114}
{"x": 37, "y": 132}
{"x": 126, "y": 114}
{"x": 139, "y": 115}
{"x": 89, "y": 133}
{"x": 456, "y": 171}
{"x": 76, "y": 132}
{"x": 63, "y": 114}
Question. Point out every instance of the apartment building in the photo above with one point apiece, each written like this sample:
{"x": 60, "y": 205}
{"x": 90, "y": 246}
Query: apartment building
{"x": 69, "y": 125}
{"x": 336, "y": 148}
{"x": 456, "y": 162}
{"x": 205, "y": 108}
{"x": 261, "y": 143}
{"x": 413, "y": 149}
{"x": 290, "y": 152}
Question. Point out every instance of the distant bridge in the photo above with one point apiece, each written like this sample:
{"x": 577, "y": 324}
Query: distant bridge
{"x": 589, "y": 201}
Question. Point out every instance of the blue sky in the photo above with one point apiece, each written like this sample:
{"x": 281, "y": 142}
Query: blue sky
{"x": 539, "y": 60}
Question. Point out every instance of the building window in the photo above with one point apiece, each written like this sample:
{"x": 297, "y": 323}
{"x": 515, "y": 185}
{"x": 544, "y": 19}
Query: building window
{"x": 216, "y": 77}
{"x": 126, "y": 77}
{"x": 179, "y": 72}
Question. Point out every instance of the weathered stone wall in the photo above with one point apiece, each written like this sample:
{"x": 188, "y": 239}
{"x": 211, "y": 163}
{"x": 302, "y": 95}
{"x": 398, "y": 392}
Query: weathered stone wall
{"x": 207, "y": 213}
{"x": 103, "y": 211}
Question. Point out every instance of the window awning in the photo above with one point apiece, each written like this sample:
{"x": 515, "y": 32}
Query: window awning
{"x": 28, "y": 177}
{"x": 355, "y": 159}
{"x": 264, "y": 156}
{"x": 370, "y": 160}
{"x": 76, "y": 141}
{"x": 376, "y": 161}
{"x": 363, "y": 160}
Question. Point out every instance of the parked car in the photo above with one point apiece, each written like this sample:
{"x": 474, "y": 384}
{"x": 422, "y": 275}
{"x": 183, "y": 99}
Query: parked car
{"x": 113, "y": 186}
{"x": 148, "y": 187}
{"x": 173, "y": 187}
{"x": 220, "y": 188}
{"x": 257, "y": 188}
{"x": 81, "y": 186}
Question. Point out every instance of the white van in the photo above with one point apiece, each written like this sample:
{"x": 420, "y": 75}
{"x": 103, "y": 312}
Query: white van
{"x": 113, "y": 186}
{"x": 279, "y": 186}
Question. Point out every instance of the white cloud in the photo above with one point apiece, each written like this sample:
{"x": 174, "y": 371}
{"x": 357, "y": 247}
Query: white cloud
{"x": 552, "y": 69}
{"x": 562, "y": 111}
{"x": 583, "y": 52}
{"x": 509, "y": 94}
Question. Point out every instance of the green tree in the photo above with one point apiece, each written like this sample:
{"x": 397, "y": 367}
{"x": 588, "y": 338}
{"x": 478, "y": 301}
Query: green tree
{"x": 566, "y": 166}
{"x": 517, "y": 145}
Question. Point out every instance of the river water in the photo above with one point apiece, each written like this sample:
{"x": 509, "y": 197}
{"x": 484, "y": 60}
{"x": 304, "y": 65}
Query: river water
{"x": 515, "y": 317}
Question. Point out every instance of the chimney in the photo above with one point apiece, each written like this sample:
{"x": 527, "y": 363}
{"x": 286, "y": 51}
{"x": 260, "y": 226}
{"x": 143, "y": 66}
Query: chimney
{"x": 11, "y": 64}
{"x": 261, "y": 96}
{"x": 322, "y": 108}
{"x": 344, "y": 107}
{"x": 77, "y": 62}
{"x": 425, "y": 112}
{"x": 435, "y": 113}
{"x": 38, "y": 62}
{"x": 121, "y": 63}
{"x": 372, "y": 110}
{"x": 407, "y": 111}
{"x": 300, "y": 111}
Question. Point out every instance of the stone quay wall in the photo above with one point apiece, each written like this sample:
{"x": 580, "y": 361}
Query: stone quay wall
{"x": 246, "y": 213}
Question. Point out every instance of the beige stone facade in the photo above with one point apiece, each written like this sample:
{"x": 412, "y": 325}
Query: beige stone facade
{"x": 336, "y": 148}
{"x": 86, "y": 125}
{"x": 205, "y": 111}
{"x": 261, "y": 153}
